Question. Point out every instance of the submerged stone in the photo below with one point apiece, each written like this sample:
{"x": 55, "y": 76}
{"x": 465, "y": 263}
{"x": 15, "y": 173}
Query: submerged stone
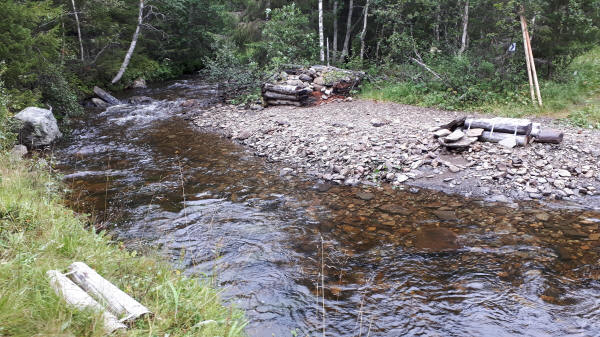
{"x": 436, "y": 239}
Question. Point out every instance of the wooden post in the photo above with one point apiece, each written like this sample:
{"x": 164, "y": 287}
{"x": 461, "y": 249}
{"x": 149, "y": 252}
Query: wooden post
{"x": 117, "y": 301}
{"x": 533, "y": 70}
{"x": 79, "y": 299}
{"x": 527, "y": 60}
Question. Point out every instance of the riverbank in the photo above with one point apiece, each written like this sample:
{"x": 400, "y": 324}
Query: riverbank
{"x": 38, "y": 233}
{"x": 364, "y": 141}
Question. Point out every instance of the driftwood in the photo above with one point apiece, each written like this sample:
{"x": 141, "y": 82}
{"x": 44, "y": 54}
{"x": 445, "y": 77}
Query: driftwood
{"x": 549, "y": 136}
{"x": 108, "y": 98}
{"x": 117, "y": 301}
{"x": 496, "y": 137}
{"x": 79, "y": 299}
{"x": 499, "y": 124}
{"x": 283, "y": 102}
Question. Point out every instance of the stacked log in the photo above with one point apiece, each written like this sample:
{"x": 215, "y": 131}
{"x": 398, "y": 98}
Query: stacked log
{"x": 301, "y": 86}
{"x": 508, "y": 132}
{"x": 283, "y": 94}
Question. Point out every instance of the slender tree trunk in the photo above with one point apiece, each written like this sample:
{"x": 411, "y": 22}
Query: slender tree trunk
{"x": 335, "y": 30}
{"x": 321, "y": 37}
{"x": 132, "y": 46}
{"x": 348, "y": 31}
{"x": 436, "y": 28}
{"x": 364, "y": 31}
{"x": 78, "y": 29}
{"x": 463, "y": 44}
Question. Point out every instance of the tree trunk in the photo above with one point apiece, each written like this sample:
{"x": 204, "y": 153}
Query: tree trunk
{"x": 321, "y": 37}
{"x": 463, "y": 44}
{"x": 348, "y": 31}
{"x": 364, "y": 32}
{"x": 335, "y": 30}
{"x": 500, "y": 124}
{"x": 436, "y": 28}
{"x": 132, "y": 46}
{"x": 117, "y": 301}
{"x": 78, "y": 29}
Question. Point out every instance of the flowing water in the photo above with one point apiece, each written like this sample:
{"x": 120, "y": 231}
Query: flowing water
{"x": 301, "y": 256}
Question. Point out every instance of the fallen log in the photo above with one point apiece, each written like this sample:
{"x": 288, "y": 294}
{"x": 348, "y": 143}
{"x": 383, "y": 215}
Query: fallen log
{"x": 79, "y": 299}
{"x": 108, "y": 98}
{"x": 117, "y": 301}
{"x": 283, "y": 102}
{"x": 497, "y": 137}
{"x": 549, "y": 136}
{"x": 276, "y": 95}
{"x": 283, "y": 89}
{"x": 500, "y": 124}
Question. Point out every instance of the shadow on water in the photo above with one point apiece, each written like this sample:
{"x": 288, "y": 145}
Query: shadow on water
{"x": 378, "y": 261}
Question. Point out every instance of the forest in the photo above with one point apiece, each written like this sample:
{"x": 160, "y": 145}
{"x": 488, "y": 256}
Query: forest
{"x": 53, "y": 52}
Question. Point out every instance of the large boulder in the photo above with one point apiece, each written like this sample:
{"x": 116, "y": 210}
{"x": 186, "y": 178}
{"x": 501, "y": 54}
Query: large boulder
{"x": 38, "y": 127}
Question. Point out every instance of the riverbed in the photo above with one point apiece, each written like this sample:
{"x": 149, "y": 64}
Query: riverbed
{"x": 309, "y": 256}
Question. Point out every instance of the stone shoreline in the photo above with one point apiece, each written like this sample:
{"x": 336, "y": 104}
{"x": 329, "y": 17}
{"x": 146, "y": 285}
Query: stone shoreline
{"x": 362, "y": 141}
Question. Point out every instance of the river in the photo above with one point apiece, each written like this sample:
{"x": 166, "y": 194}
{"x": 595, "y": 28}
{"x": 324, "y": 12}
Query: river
{"x": 306, "y": 258}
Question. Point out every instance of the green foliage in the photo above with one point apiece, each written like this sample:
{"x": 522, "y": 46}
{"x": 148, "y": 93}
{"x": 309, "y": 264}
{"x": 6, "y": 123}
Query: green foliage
{"x": 37, "y": 234}
{"x": 286, "y": 38}
{"x": 7, "y": 137}
{"x": 233, "y": 71}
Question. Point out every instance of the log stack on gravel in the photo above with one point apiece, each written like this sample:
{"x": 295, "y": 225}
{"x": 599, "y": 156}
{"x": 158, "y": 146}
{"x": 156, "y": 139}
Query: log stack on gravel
{"x": 461, "y": 133}
{"x": 300, "y": 86}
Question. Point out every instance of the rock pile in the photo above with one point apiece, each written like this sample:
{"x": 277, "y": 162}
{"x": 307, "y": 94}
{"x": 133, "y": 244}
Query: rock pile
{"x": 461, "y": 133}
{"x": 301, "y": 86}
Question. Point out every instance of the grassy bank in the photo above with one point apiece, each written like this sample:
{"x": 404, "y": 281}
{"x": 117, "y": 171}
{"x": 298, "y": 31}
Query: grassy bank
{"x": 38, "y": 233}
{"x": 574, "y": 95}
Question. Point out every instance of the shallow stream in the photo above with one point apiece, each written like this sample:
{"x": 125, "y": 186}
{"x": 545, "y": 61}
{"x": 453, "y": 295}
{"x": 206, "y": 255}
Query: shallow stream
{"x": 299, "y": 255}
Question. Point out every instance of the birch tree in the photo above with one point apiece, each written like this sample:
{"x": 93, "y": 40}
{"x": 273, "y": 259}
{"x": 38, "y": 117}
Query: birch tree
{"x": 321, "y": 38}
{"x": 78, "y": 29}
{"x": 335, "y": 30}
{"x": 463, "y": 44}
{"x": 136, "y": 35}
{"x": 364, "y": 31}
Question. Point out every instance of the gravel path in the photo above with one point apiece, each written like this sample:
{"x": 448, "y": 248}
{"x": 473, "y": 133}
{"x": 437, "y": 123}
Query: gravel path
{"x": 351, "y": 142}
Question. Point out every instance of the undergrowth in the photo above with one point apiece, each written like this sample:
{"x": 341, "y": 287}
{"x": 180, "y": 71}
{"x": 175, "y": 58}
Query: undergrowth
{"x": 574, "y": 94}
{"x": 38, "y": 233}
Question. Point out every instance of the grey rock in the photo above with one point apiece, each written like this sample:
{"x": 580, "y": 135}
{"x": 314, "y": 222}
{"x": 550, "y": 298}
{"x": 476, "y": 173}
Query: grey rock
{"x": 139, "y": 83}
{"x": 99, "y": 103}
{"x": 38, "y": 127}
{"x": 461, "y": 144}
{"x": 441, "y": 133}
{"x": 365, "y": 196}
{"x": 18, "y": 151}
{"x": 454, "y": 136}
{"x": 563, "y": 173}
{"x": 474, "y": 132}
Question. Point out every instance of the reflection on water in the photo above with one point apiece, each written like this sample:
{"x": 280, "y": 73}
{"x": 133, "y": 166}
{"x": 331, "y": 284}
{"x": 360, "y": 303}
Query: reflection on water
{"x": 377, "y": 261}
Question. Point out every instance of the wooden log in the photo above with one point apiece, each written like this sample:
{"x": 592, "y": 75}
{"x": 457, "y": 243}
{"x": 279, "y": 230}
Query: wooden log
{"x": 283, "y": 102}
{"x": 549, "y": 136}
{"x": 76, "y": 297}
{"x": 276, "y": 95}
{"x": 110, "y": 99}
{"x": 499, "y": 124}
{"x": 496, "y": 137}
{"x": 117, "y": 301}
{"x": 283, "y": 89}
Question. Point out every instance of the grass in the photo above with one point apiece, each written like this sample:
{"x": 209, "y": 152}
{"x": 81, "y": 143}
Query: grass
{"x": 38, "y": 233}
{"x": 575, "y": 98}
